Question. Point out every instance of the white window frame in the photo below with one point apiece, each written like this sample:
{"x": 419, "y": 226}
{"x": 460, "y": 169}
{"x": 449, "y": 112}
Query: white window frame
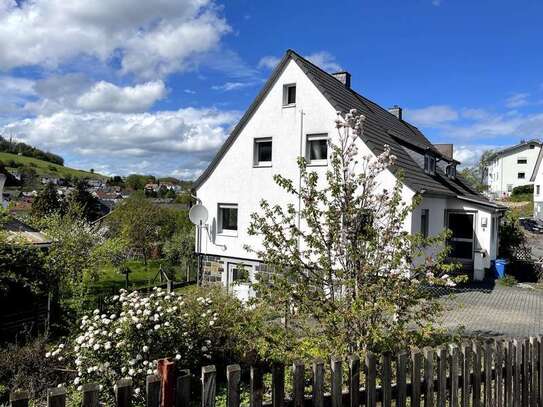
{"x": 257, "y": 163}
{"x": 316, "y": 137}
{"x": 286, "y": 87}
{"x": 222, "y": 231}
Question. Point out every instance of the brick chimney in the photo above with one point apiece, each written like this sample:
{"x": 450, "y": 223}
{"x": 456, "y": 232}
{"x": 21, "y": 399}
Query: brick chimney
{"x": 445, "y": 149}
{"x": 396, "y": 111}
{"x": 344, "y": 77}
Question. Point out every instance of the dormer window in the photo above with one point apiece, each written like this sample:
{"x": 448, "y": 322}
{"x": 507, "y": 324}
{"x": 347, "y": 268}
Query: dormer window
{"x": 429, "y": 164}
{"x": 451, "y": 170}
{"x": 289, "y": 95}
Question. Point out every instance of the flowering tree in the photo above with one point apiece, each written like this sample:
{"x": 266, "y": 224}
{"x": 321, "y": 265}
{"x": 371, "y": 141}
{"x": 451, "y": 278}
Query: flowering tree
{"x": 139, "y": 329}
{"x": 344, "y": 266}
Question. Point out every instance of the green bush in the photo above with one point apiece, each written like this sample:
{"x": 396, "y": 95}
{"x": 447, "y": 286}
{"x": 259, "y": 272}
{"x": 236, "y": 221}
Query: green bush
{"x": 508, "y": 281}
{"x": 522, "y": 189}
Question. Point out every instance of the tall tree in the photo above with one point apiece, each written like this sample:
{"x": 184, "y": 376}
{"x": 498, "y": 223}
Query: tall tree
{"x": 344, "y": 268}
{"x": 47, "y": 202}
{"x": 89, "y": 204}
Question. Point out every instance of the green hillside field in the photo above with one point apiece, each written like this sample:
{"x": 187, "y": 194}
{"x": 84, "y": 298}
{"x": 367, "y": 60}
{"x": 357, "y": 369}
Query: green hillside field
{"x": 47, "y": 169}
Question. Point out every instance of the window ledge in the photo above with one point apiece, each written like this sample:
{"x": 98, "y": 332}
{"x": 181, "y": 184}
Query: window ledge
{"x": 228, "y": 233}
{"x": 262, "y": 165}
{"x": 317, "y": 164}
{"x": 290, "y": 105}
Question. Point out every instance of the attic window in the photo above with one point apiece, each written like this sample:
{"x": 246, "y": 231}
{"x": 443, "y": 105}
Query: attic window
{"x": 451, "y": 170}
{"x": 289, "y": 95}
{"x": 429, "y": 164}
{"x": 532, "y": 146}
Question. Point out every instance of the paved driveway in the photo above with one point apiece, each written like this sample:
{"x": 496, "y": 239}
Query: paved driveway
{"x": 495, "y": 311}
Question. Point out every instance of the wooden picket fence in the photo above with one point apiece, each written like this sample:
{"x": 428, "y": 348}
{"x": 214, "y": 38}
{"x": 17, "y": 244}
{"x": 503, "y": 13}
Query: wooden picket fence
{"x": 500, "y": 373}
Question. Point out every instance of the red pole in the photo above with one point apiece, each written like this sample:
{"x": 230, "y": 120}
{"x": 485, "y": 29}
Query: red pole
{"x": 166, "y": 371}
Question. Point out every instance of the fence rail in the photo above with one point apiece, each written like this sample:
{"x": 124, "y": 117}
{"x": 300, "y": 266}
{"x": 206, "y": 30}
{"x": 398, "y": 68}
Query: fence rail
{"x": 506, "y": 373}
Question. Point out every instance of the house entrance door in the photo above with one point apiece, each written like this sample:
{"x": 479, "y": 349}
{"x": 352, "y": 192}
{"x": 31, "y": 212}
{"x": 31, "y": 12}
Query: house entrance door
{"x": 462, "y": 226}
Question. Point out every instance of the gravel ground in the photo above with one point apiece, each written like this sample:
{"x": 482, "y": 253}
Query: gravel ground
{"x": 494, "y": 310}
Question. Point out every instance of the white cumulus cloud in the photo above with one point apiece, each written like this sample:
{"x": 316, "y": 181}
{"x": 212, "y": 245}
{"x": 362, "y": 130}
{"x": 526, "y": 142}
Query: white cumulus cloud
{"x": 431, "y": 116}
{"x": 105, "y": 96}
{"x": 150, "y": 38}
{"x": 269, "y": 62}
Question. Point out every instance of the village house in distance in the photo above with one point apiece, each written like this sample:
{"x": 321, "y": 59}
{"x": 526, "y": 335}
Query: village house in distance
{"x": 511, "y": 167}
{"x": 294, "y": 115}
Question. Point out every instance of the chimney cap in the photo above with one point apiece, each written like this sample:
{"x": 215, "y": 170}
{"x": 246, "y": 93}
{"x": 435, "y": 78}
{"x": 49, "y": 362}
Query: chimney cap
{"x": 396, "y": 111}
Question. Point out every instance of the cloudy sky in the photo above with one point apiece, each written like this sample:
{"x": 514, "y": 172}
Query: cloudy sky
{"x": 126, "y": 86}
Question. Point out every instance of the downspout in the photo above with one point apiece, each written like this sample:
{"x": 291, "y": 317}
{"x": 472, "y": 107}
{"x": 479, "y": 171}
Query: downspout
{"x": 300, "y": 172}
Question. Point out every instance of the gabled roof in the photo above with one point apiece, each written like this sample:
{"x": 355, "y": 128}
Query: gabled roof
{"x": 380, "y": 127}
{"x": 512, "y": 149}
{"x": 536, "y": 166}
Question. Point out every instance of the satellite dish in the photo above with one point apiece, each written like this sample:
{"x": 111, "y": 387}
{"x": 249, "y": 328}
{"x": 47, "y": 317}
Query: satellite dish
{"x": 198, "y": 214}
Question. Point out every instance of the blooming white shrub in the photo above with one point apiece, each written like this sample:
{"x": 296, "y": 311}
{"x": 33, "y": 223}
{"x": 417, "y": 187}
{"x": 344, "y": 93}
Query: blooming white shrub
{"x": 139, "y": 329}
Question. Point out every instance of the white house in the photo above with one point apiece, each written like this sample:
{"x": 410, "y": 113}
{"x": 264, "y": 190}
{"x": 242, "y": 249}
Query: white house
{"x": 512, "y": 167}
{"x": 537, "y": 179}
{"x": 294, "y": 116}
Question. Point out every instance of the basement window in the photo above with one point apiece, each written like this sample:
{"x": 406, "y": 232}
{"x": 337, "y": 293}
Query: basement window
{"x": 429, "y": 164}
{"x": 289, "y": 95}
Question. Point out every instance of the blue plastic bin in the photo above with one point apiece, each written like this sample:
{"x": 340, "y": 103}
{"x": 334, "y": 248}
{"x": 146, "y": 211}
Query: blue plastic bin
{"x": 500, "y": 268}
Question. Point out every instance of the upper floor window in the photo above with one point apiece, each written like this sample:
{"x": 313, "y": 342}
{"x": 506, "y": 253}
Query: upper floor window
{"x": 537, "y": 189}
{"x": 228, "y": 218}
{"x": 289, "y": 94}
{"x": 429, "y": 164}
{"x": 451, "y": 170}
{"x": 521, "y": 175}
{"x": 522, "y": 160}
{"x": 317, "y": 148}
{"x": 262, "y": 155}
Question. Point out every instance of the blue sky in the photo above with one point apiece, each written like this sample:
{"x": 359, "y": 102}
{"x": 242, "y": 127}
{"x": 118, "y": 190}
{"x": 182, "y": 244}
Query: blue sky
{"x": 154, "y": 87}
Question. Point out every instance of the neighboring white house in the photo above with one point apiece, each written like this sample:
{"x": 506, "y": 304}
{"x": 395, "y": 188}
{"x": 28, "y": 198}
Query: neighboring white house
{"x": 537, "y": 179}
{"x": 512, "y": 167}
{"x": 294, "y": 116}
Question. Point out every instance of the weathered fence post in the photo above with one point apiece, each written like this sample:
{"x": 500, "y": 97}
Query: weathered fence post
{"x": 429, "y": 377}
{"x": 371, "y": 380}
{"x": 318, "y": 383}
{"x": 453, "y": 369}
{"x": 18, "y": 398}
{"x": 498, "y": 361}
{"x": 477, "y": 354}
{"x": 182, "y": 389}
{"x": 257, "y": 386}
{"x": 278, "y": 385}
{"x": 166, "y": 371}
{"x": 466, "y": 374}
{"x": 416, "y": 364}
{"x": 442, "y": 377}
{"x": 533, "y": 372}
{"x": 525, "y": 371}
{"x": 401, "y": 380}
{"x": 56, "y": 397}
{"x": 209, "y": 383}
{"x": 152, "y": 391}
{"x": 233, "y": 377}
{"x": 91, "y": 394}
{"x": 517, "y": 357}
{"x": 386, "y": 381}
{"x": 354, "y": 381}
{"x": 337, "y": 382}
{"x": 488, "y": 373}
{"x": 123, "y": 393}
{"x": 298, "y": 369}
{"x": 508, "y": 385}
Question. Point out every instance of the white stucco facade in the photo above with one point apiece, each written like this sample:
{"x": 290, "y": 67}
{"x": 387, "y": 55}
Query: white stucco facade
{"x": 236, "y": 181}
{"x": 511, "y": 168}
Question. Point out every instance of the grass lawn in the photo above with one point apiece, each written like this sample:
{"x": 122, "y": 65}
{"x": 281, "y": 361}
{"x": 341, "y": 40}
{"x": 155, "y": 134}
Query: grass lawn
{"x": 44, "y": 168}
{"x": 110, "y": 280}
